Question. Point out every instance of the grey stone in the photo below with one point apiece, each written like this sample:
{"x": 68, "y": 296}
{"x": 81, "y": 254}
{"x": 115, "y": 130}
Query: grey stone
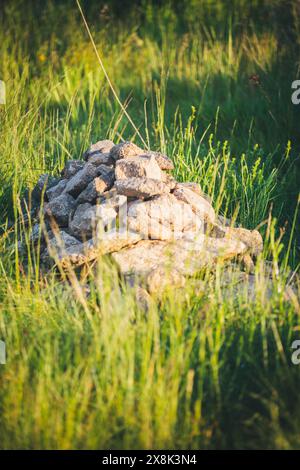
{"x": 102, "y": 146}
{"x": 94, "y": 190}
{"x": 37, "y": 234}
{"x": 44, "y": 182}
{"x": 138, "y": 167}
{"x": 101, "y": 159}
{"x": 141, "y": 187}
{"x": 71, "y": 168}
{"x": 81, "y": 179}
{"x": 91, "y": 220}
{"x": 56, "y": 190}
{"x": 58, "y": 245}
{"x": 60, "y": 208}
{"x": 125, "y": 150}
{"x": 107, "y": 173}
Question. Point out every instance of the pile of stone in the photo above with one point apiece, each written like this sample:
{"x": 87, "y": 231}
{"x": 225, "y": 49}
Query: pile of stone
{"x": 123, "y": 201}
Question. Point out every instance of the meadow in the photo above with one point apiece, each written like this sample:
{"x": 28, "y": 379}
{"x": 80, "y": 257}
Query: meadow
{"x": 208, "y": 83}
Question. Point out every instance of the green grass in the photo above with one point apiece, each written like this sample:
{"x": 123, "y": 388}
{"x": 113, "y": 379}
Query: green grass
{"x": 205, "y": 368}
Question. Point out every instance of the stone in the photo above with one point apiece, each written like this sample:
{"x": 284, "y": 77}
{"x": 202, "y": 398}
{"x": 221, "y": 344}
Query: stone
{"x": 141, "y": 258}
{"x": 106, "y": 172}
{"x": 199, "y": 204}
{"x": 60, "y": 208}
{"x": 160, "y": 278}
{"x": 138, "y": 167}
{"x": 102, "y": 146}
{"x": 99, "y": 158}
{"x": 125, "y": 150}
{"x": 44, "y": 182}
{"x": 224, "y": 221}
{"x": 113, "y": 199}
{"x": 141, "y": 187}
{"x": 58, "y": 244}
{"x": 251, "y": 238}
{"x": 195, "y": 187}
{"x": 71, "y": 168}
{"x": 83, "y": 253}
{"x": 176, "y": 259}
{"x": 143, "y": 298}
{"x": 159, "y": 232}
{"x": 56, "y": 190}
{"x": 91, "y": 220}
{"x": 164, "y": 162}
{"x": 162, "y": 218}
{"x": 81, "y": 179}
{"x": 94, "y": 190}
{"x": 169, "y": 180}
{"x": 37, "y": 234}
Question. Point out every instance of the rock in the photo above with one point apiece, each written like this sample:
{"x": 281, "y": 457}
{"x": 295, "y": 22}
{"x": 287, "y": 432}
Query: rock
{"x": 89, "y": 220}
{"x": 200, "y": 205}
{"x": 181, "y": 258}
{"x": 251, "y": 238}
{"x": 141, "y": 258}
{"x": 138, "y": 167}
{"x": 102, "y": 146}
{"x": 95, "y": 189}
{"x": 143, "y": 298}
{"x": 56, "y": 190}
{"x": 141, "y": 187}
{"x": 60, "y": 208}
{"x": 61, "y": 240}
{"x": 57, "y": 245}
{"x": 162, "y": 218}
{"x": 125, "y": 150}
{"x": 158, "y": 231}
{"x": 164, "y": 162}
{"x": 224, "y": 221}
{"x": 37, "y": 234}
{"x": 195, "y": 187}
{"x": 113, "y": 199}
{"x": 151, "y": 229}
{"x": 160, "y": 278}
{"x": 71, "y": 168}
{"x": 81, "y": 179}
{"x": 44, "y": 182}
{"x": 107, "y": 173}
{"x": 169, "y": 180}
{"x": 88, "y": 251}
{"x": 101, "y": 159}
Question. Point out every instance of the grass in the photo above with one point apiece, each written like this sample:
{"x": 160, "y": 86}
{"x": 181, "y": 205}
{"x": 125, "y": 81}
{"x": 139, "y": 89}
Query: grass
{"x": 205, "y": 368}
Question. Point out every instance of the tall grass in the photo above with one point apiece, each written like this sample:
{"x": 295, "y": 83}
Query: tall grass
{"x": 209, "y": 365}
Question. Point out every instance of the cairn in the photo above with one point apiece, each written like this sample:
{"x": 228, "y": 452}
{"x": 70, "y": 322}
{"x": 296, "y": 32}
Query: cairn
{"x": 122, "y": 201}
